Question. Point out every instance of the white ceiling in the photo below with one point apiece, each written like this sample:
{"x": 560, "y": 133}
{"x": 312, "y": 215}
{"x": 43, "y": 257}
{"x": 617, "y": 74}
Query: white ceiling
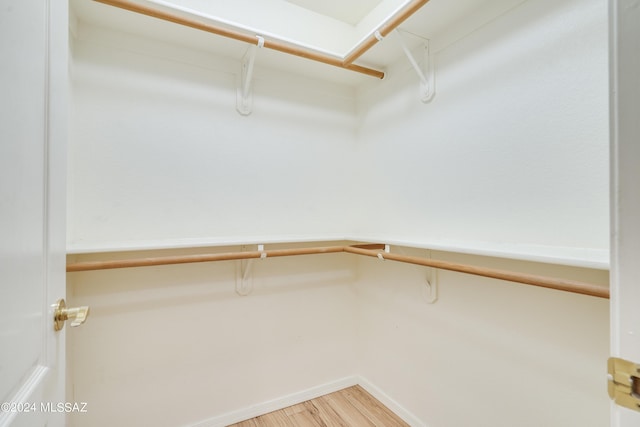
{"x": 350, "y": 11}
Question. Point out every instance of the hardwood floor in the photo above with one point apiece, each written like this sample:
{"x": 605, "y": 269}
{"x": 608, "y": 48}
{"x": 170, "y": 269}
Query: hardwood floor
{"x": 351, "y": 407}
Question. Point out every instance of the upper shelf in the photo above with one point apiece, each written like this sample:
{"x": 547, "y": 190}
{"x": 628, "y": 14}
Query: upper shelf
{"x": 438, "y": 20}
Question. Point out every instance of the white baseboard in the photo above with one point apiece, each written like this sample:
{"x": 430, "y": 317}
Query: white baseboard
{"x": 311, "y": 393}
{"x": 387, "y": 401}
{"x": 273, "y": 405}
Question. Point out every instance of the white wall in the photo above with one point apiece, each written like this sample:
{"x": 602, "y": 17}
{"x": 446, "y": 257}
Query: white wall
{"x": 488, "y": 353}
{"x": 512, "y": 150}
{"x": 511, "y": 153}
{"x": 158, "y": 155}
{"x": 158, "y": 151}
{"x": 176, "y": 345}
{"x": 517, "y": 136}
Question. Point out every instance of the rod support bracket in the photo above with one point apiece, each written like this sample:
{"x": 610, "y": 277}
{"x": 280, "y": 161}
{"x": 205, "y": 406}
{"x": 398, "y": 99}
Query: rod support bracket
{"x": 244, "y": 94}
{"x": 387, "y": 250}
{"x": 244, "y": 278}
{"x": 431, "y": 285}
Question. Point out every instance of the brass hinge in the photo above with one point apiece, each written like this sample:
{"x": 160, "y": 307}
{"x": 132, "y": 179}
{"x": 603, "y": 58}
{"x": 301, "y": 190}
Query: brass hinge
{"x": 624, "y": 383}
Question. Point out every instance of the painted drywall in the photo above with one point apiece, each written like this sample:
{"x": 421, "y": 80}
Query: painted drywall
{"x": 516, "y": 135}
{"x": 158, "y": 151}
{"x": 176, "y": 345}
{"x": 512, "y": 150}
{"x": 488, "y": 352}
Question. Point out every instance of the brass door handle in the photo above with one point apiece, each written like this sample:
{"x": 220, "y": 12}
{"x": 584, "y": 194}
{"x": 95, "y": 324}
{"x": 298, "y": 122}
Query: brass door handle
{"x": 77, "y": 315}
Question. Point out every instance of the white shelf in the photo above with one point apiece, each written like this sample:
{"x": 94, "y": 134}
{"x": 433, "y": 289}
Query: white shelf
{"x": 577, "y": 257}
{"x": 570, "y": 256}
{"x": 149, "y": 245}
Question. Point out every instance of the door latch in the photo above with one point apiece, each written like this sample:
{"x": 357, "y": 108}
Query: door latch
{"x": 61, "y": 314}
{"x": 624, "y": 383}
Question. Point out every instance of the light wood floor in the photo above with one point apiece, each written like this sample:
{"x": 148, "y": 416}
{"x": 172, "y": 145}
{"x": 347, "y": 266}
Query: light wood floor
{"x": 351, "y": 407}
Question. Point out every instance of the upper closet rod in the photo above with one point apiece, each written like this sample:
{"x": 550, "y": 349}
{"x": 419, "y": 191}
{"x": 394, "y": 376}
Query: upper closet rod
{"x": 244, "y": 37}
{"x": 372, "y": 250}
{"x": 384, "y": 30}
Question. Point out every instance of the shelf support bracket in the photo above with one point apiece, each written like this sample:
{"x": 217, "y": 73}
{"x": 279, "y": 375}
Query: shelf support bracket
{"x": 430, "y": 290}
{"x": 244, "y": 279}
{"x": 425, "y": 72}
{"x": 387, "y": 250}
{"x": 244, "y": 94}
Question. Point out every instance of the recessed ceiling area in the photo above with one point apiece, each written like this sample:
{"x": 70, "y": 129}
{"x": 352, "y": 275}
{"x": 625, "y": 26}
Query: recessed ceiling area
{"x": 351, "y": 12}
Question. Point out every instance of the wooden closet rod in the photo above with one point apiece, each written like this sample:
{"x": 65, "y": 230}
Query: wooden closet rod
{"x": 384, "y": 30}
{"x": 185, "y": 259}
{"x": 372, "y": 250}
{"x": 528, "y": 279}
{"x": 244, "y": 37}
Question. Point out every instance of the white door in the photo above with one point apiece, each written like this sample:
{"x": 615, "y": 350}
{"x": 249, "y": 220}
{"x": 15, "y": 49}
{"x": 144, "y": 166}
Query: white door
{"x": 625, "y": 185}
{"x": 33, "y": 90}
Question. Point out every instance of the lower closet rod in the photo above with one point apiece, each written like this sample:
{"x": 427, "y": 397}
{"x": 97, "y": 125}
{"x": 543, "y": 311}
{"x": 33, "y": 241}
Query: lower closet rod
{"x": 372, "y": 250}
{"x": 185, "y": 259}
{"x": 528, "y": 279}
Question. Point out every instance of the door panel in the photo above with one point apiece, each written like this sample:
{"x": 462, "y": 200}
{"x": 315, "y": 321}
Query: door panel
{"x": 33, "y": 82}
{"x": 21, "y": 192}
